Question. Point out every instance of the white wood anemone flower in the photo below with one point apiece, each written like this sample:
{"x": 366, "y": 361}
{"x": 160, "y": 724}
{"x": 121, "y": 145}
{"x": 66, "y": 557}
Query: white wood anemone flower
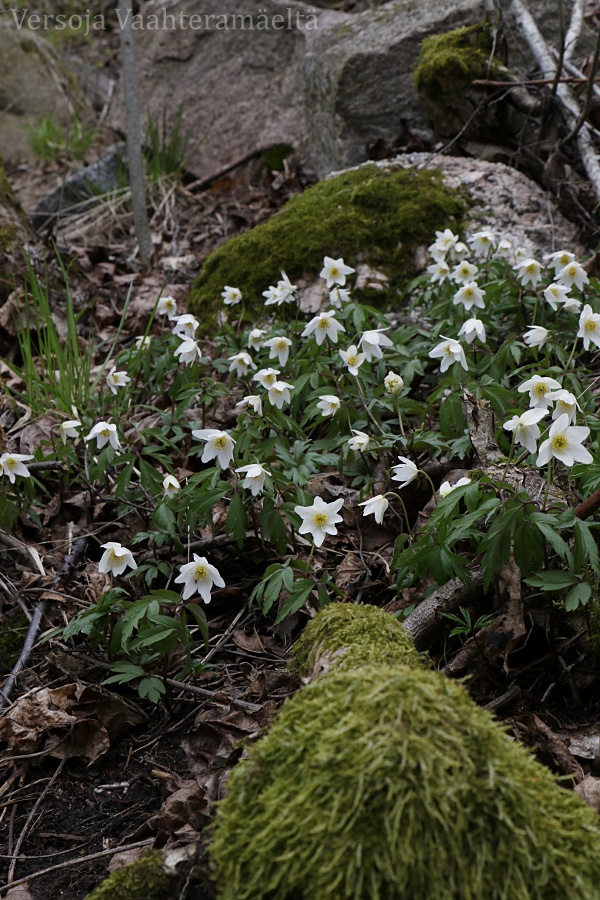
{"x": 470, "y": 295}
{"x": 352, "y": 358}
{"x": 359, "y": 442}
{"x": 266, "y": 377}
{"x": 559, "y": 259}
{"x": 104, "y": 433}
{"x": 525, "y": 427}
{"x": 199, "y": 577}
{"x": 320, "y": 519}
{"x": 69, "y": 428}
{"x": 482, "y": 243}
{"x": 254, "y": 402}
{"x": 185, "y": 326}
{"x": 335, "y": 271}
{"x": 447, "y": 488}
{"x": 376, "y": 506}
{"x": 279, "y": 393}
{"x": 589, "y": 327}
{"x": 449, "y": 351}
{"x": 405, "y": 471}
{"x": 393, "y": 383}
{"x": 536, "y": 336}
{"x": 529, "y": 271}
{"x": 329, "y": 404}
{"x": 167, "y": 306}
{"x": 231, "y": 296}
{"x": 279, "y": 349}
{"x": 565, "y": 443}
{"x": 472, "y": 329}
{"x": 539, "y": 387}
{"x": 255, "y": 338}
{"x": 115, "y": 559}
{"x": 188, "y": 351}
{"x": 241, "y": 363}
{"x": 371, "y": 343}
{"x": 171, "y": 486}
{"x": 219, "y": 445}
{"x": 116, "y": 379}
{"x": 255, "y": 477}
{"x": 12, "y": 464}
{"x": 325, "y": 325}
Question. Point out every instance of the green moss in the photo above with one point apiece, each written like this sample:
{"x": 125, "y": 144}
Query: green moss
{"x": 389, "y": 783}
{"x": 369, "y": 214}
{"x": 144, "y": 879}
{"x": 343, "y": 636}
{"x": 449, "y": 62}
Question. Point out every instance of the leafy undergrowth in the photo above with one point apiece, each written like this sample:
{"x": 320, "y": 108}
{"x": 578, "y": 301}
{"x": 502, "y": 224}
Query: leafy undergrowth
{"x": 296, "y": 460}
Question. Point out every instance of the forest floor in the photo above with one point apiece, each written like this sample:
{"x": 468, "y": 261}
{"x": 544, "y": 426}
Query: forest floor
{"x": 94, "y": 770}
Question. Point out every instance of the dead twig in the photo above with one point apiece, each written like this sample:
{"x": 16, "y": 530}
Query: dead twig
{"x": 76, "y": 862}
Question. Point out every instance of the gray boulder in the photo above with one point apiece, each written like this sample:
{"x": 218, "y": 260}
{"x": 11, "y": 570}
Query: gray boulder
{"x": 358, "y": 84}
{"x": 238, "y": 83}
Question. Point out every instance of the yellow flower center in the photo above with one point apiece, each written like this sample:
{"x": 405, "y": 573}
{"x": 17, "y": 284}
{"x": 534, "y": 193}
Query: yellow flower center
{"x": 334, "y": 272}
{"x": 531, "y": 269}
{"x": 221, "y": 443}
{"x": 11, "y": 462}
{"x": 559, "y": 442}
{"x": 281, "y": 345}
{"x": 324, "y": 324}
{"x": 448, "y": 350}
{"x": 590, "y": 325}
{"x": 572, "y": 271}
{"x": 200, "y": 572}
{"x": 540, "y": 389}
{"x": 469, "y": 293}
{"x": 352, "y": 360}
{"x": 105, "y": 432}
{"x": 320, "y": 519}
{"x": 269, "y": 379}
{"x": 114, "y": 557}
{"x": 115, "y": 378}
{"x": 277, "y": 391}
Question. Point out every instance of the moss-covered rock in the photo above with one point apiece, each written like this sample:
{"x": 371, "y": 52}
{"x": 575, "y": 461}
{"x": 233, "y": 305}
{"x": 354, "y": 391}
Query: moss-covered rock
{"x": 145, "y": 879}
{"x": 389, "y": 782}
{"x": 344, "y": 636}
{"x": 447, "y": 65}
{"x": 370, "y": 214}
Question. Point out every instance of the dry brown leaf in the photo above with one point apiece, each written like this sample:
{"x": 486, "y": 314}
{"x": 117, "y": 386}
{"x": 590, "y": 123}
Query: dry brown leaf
{"x": 75, "y": 720}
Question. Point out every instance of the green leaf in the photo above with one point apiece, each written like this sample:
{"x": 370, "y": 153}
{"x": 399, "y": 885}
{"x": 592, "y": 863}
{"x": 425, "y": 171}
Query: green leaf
{"x": 552, "y": 581}
{"x": 163, "y": 518}
{"x": 237, "y": 519}
{"x": 578, "y": 596}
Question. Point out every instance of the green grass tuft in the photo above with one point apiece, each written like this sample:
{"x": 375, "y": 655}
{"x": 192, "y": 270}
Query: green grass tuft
{"x": 389, "y": 782}
{"x": 343, "y": 636}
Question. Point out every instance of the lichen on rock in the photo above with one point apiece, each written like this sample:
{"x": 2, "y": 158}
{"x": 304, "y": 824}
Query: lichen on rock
{"x": 373, "y": 215}
{"x": 343, "y": 636}
{"x": 390, "y": 782}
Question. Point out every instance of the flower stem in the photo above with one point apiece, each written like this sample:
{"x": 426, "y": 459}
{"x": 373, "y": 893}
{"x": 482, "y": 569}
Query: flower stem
{"x": 366, "y": 408}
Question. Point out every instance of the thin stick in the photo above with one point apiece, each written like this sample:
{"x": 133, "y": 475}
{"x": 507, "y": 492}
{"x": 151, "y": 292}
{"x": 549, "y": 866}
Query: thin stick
{"x": 32, "y": 812}
{"x": 76, "y": 862}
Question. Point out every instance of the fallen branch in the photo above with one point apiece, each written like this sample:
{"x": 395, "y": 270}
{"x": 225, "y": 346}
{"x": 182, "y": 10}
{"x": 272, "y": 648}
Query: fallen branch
{"x": 425, "y": 621}
{"x": 572, "y": 112}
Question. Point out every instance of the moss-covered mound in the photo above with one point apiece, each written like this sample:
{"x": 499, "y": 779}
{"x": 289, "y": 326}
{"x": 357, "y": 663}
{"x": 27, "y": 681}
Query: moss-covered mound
{"x": 343, "y": 636}
{"x": 144, "y": 879}
{"x": 390, "y": 783}
{"x": 375, "y": 215}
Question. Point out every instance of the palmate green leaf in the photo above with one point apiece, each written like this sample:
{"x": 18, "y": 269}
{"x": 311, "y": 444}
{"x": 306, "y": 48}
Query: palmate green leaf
{"x": 553, "y": 580}
{"x": 578, "y": 596}
{"x": 547, "y": 525}
{"x": 163, "y": 519}
{"x": 300, "y": 594}
{"x": 151, "y": 688}
{"x": 587, "y": 549}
